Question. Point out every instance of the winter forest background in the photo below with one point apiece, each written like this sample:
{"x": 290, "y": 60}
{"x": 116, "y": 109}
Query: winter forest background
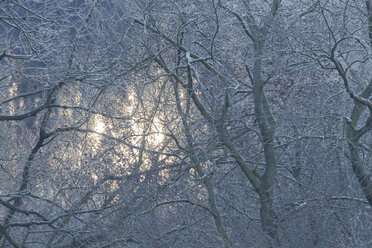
{"x": 186, "y": 123}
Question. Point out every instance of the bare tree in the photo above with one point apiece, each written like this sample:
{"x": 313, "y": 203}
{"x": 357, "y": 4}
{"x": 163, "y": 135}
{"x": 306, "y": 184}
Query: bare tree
{"x": 143, "y": 123}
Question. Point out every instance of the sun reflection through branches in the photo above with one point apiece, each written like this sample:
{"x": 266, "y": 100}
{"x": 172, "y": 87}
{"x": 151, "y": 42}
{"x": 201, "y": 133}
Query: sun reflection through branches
{"x": 158, "y": 137}
{"x": 100, "y": 126}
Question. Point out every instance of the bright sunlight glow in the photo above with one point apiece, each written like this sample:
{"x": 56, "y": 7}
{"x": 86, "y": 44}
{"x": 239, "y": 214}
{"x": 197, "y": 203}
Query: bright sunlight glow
{"x": 157, "y": 137}
{"x": 100, "y": 126}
